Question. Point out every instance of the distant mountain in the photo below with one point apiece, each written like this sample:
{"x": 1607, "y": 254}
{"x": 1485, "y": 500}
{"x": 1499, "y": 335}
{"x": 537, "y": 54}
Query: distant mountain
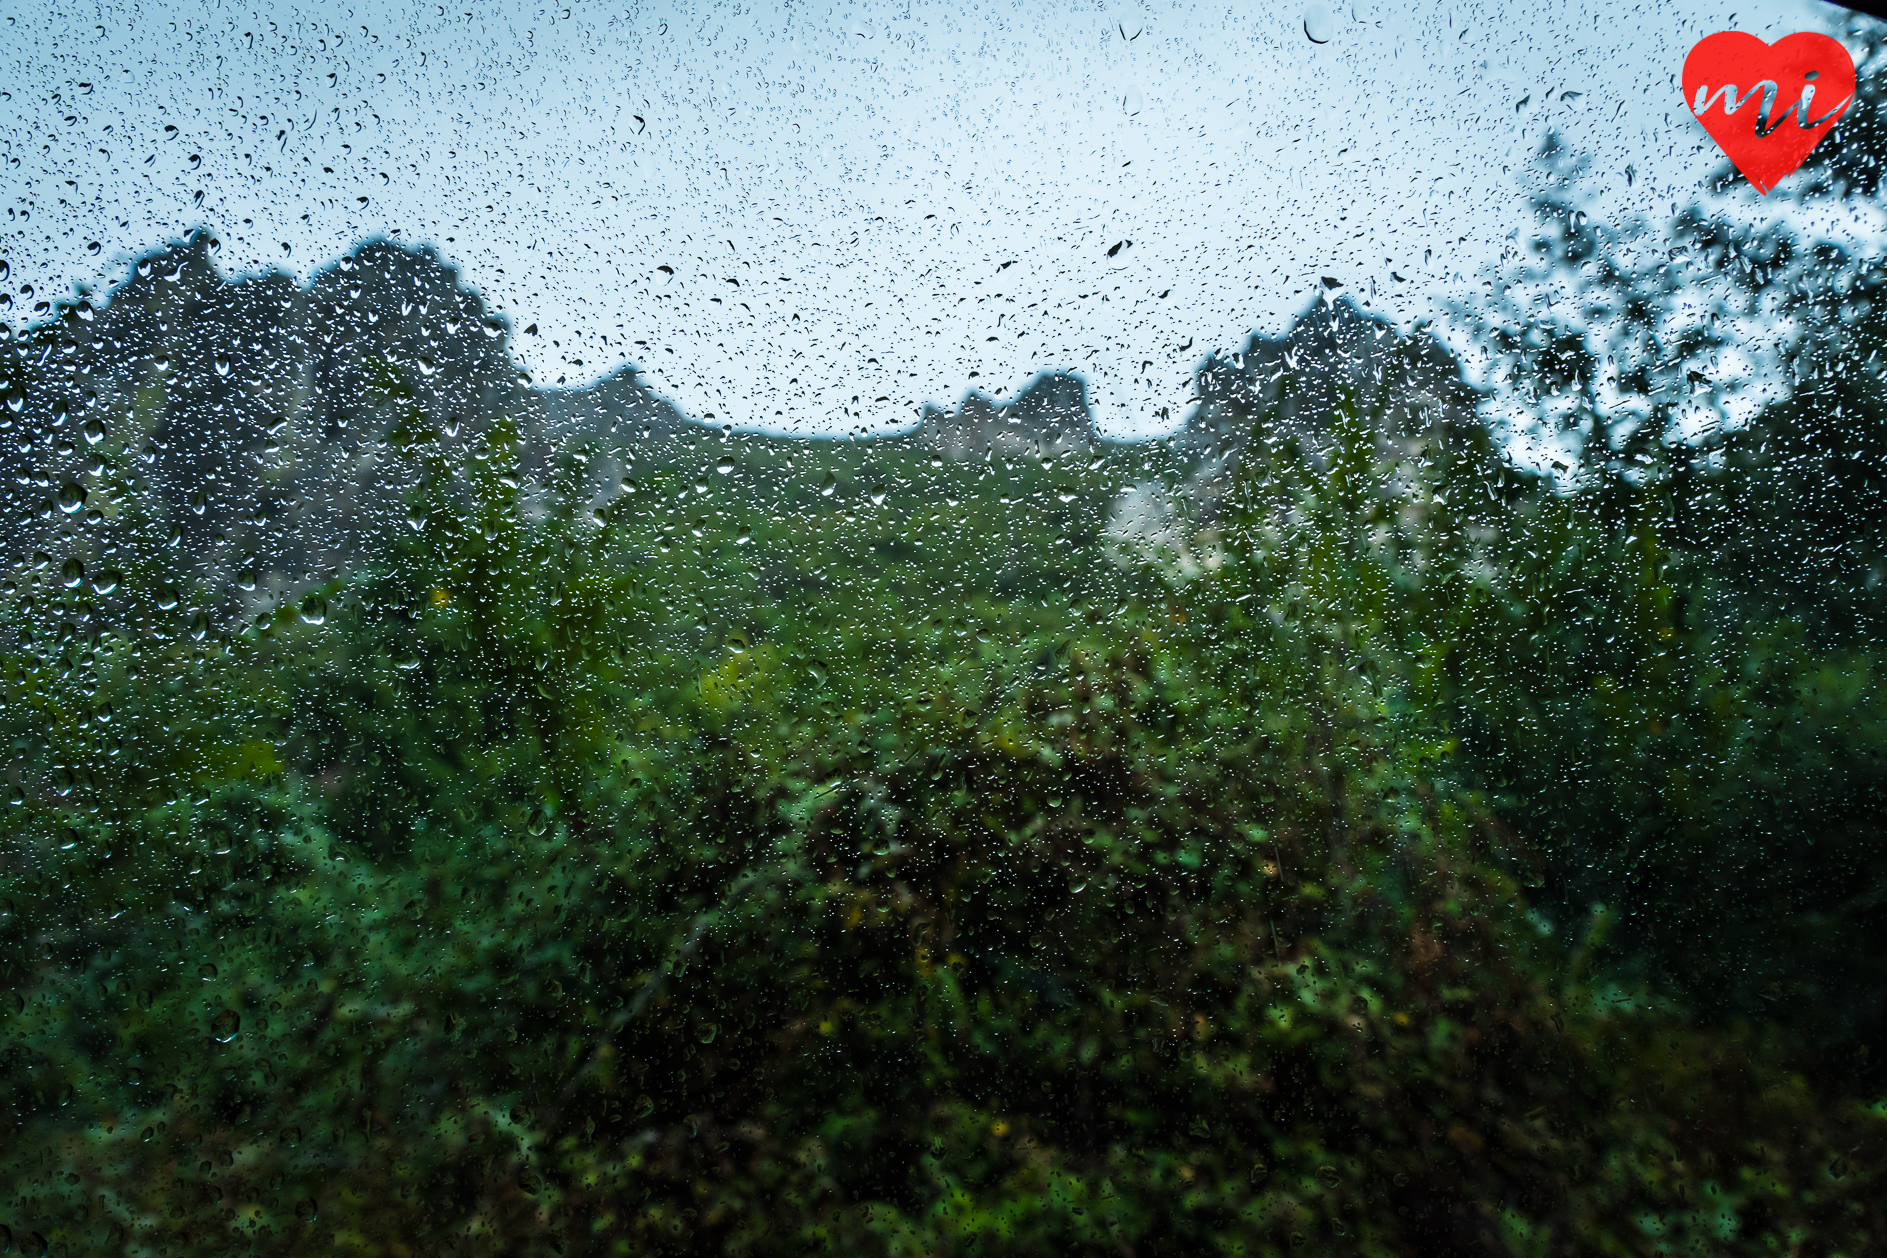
{"x": 262, "y": 423}
{"x": 262, "y": 435}
{"x": 1291, "y": 388}
{"x": 1048, "y": 416}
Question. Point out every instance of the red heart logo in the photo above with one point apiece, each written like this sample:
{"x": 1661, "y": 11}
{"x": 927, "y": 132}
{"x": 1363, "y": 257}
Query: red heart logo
{"x": 1768, "y": 105}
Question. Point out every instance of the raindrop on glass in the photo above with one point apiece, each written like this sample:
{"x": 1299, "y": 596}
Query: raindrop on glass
{"x": 1319, "y": 26}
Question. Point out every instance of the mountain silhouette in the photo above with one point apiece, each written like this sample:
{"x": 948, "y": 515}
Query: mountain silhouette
{"x": 264, "y": 436}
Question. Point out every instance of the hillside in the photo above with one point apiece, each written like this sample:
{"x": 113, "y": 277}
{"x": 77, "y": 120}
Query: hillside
{"x": 455, "y": 816}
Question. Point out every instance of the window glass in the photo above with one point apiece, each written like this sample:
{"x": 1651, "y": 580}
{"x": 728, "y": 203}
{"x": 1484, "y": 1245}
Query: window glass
{"x": 915, "y": 628}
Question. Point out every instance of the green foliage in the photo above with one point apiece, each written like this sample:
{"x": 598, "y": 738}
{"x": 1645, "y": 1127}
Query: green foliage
{"x": 918, "y": 880}
{"x": 831, "y": 847}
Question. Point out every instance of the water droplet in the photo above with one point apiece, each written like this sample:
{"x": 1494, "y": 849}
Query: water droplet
{"x": 207, "y": 972}
{"x": 167, "y": 597}
{"x": 708, "y": 1031}
{"x": 829, "y": 485}
{"x": 246, "y": 578}
{"x": 305, "y": 1210}
{"x": 106, "y": 581}
{"x": 1319, "y": 26}
{"x": 314, "y": 609}
{"x": 877, "y": 495}
{"x": 72, "y": 573}
{"x": 71, "y": 497}
{"x": 224, "y": 1026}
{"x": 724, "y": 466}
{"x": 222, "y": 365}
{"x": 94, "y": 432}
{"x": 1131, "y": 101}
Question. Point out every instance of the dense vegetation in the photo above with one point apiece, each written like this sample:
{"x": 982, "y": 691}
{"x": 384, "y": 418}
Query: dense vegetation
{"x": 837, "y": 846}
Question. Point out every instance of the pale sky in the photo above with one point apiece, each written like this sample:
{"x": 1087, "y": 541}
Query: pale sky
{"x": 871, "y": 200}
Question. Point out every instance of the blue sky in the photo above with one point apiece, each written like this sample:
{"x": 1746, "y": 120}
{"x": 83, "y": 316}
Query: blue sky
{"x": 880, "y": 201}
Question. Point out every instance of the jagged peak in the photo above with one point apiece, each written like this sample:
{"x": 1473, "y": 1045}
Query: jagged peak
{"x": 1052, "y": 408}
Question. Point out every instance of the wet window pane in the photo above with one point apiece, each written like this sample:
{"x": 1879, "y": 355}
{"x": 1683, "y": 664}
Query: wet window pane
{"x": 942, "y": 629}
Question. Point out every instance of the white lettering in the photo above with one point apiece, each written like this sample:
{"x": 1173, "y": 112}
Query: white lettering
{"x": 1833, "y": 113}
{"x": 1729, "y": 98}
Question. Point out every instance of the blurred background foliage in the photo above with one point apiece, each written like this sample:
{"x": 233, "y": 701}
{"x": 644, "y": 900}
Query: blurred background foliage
{"x": 1322, "y": 831}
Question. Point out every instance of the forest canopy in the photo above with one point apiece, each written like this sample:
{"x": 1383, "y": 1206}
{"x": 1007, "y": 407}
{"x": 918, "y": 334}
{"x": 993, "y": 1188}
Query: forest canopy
{"x": 451, "y": 815}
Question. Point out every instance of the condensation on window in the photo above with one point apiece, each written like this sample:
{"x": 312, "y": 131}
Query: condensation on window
{"x": 935, "y": 629}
